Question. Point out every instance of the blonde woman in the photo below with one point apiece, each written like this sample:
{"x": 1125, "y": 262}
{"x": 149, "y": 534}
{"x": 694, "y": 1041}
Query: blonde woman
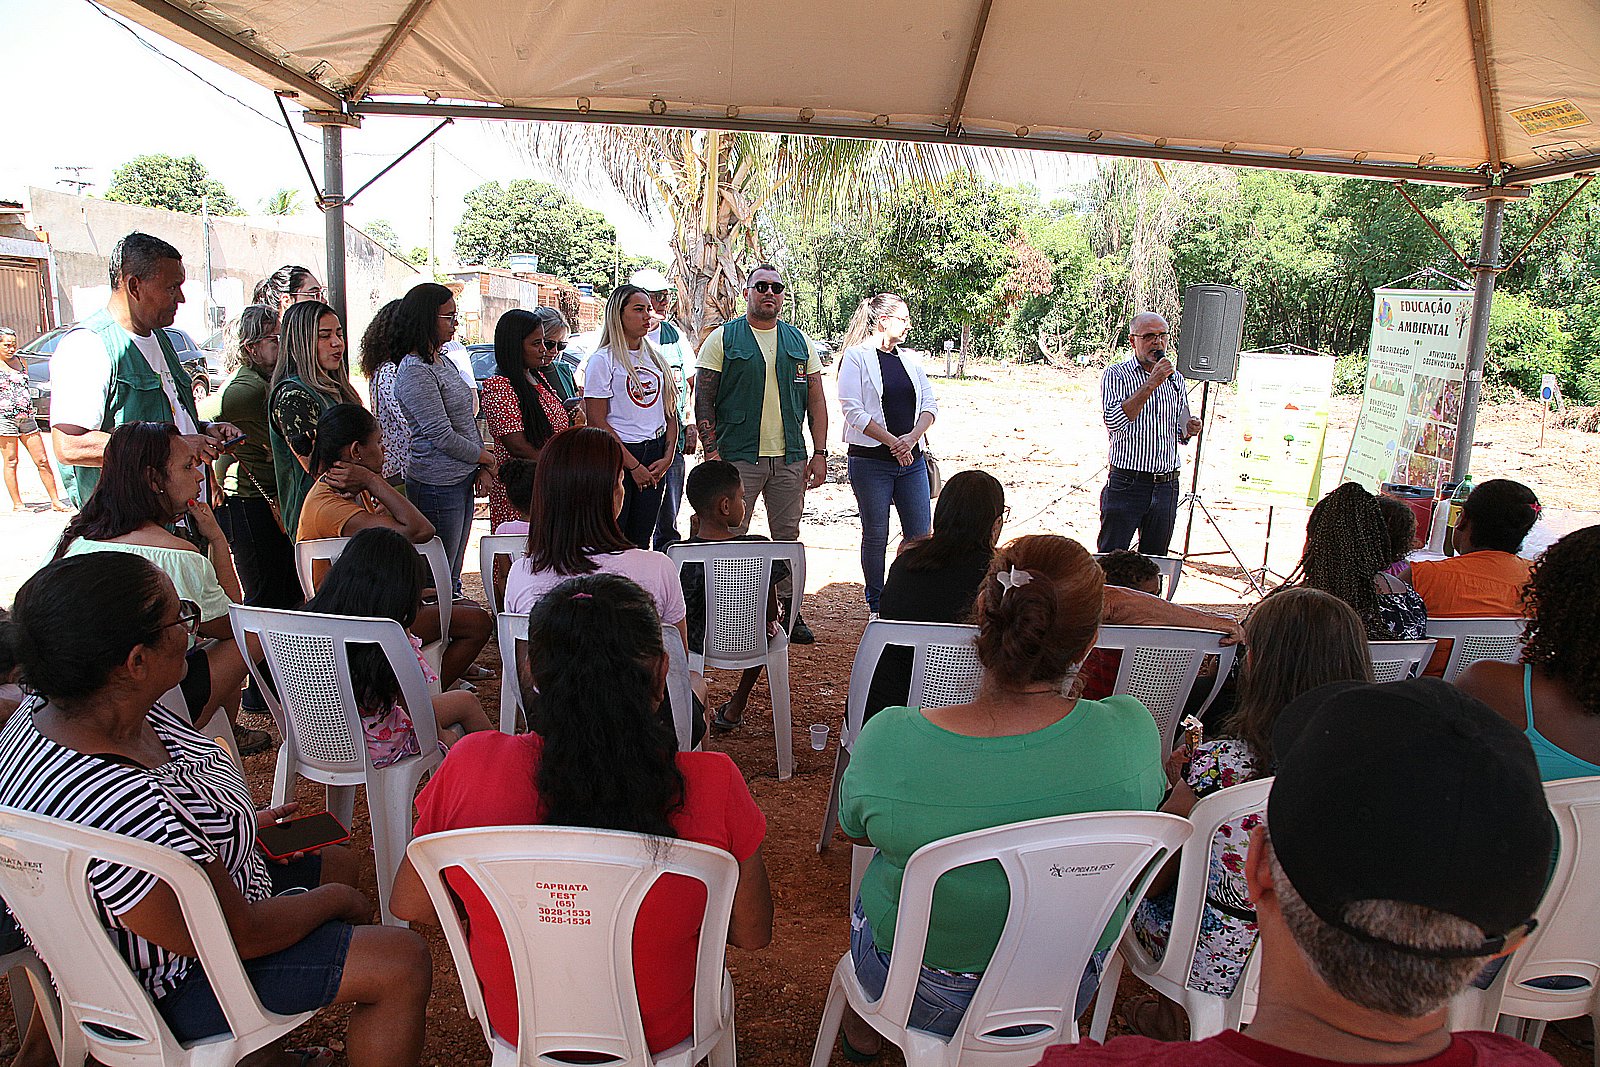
{"x": 310, "y": 378}
{"x": 629, "y": 392}
{"x": 888, "y": 406}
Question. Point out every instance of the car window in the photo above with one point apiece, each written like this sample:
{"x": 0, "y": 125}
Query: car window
{"x": 483, "y": 362}
{"x": 180, "y": 340}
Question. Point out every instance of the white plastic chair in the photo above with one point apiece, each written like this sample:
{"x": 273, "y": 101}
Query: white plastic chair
{"x": 1471, "y": 640}
{"x": 218, "y": 728}
{"x": 574, "y": 977}
{"x": 512, "y": 631}
{"x": 30, "y": 984}
{"x": 1565, "y": 943}
{"x": 1068, "y": 875}
{"x": 1169, "y": 975}
{"x": 1393, "y": 661}
{"x": 314, "y": 705}
{"x": 492, "y": 547}
{"x": 327, "y": 549}
{"x": 1160, "y": 665}
{"x": 1171, "y": 568}
{"x": 737, "y": 576}
{"x": 105, "y": 1011}
{"x": 944, "y": 671}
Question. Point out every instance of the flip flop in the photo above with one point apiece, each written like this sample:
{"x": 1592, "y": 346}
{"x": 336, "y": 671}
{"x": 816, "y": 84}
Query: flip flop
{"x": 719, "y": 721}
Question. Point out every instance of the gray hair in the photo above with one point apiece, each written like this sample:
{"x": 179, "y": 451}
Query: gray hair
{"x": 1372, "y": 975}
{"x": 254, "y": 323}
{"x": 549, "y": 319}
{"x": 6, "y": 331}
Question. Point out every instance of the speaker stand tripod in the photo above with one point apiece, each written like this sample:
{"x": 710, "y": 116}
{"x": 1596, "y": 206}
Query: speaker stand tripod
{"x": 1194, "y": 500}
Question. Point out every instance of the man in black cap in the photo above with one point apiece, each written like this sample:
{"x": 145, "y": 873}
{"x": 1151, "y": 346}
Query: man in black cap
{"x": 1407, "y": 842}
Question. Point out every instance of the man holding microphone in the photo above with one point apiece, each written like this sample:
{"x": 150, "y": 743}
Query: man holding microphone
{"x": 1146, "y": 411}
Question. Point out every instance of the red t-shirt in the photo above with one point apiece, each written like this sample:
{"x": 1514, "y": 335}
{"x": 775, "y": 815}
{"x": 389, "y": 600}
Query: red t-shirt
{"x": 1233, "y": 1049}
{"x": 718, "y": 810}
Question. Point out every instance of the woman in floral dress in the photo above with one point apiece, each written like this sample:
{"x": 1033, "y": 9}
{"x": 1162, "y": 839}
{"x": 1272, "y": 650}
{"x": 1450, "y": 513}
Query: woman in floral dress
{"x": 1279, "y": 665}
{"x": 529, "y": 401}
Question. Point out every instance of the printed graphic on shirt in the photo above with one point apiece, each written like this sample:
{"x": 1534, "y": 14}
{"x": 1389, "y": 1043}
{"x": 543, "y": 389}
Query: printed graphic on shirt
{"x": 643, "y": 391}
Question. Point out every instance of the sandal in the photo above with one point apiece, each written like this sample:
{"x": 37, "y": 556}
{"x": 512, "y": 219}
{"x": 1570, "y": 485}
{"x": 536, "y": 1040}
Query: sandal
{"x": 251, "y": 741}
{"x": 719, "y": 720}
{"x": 311, "y": 1056}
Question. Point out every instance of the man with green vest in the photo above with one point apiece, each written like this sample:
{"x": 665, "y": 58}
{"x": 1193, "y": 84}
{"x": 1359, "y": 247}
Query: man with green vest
{"x": 677, "y": 350}
{"x": 118, "y": 366}
{"x": 758, "y": 379}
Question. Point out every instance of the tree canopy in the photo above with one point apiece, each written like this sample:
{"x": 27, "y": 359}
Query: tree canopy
{"x": 177, "y": 184}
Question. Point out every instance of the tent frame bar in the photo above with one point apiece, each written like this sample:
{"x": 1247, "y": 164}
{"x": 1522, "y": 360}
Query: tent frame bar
{"x": 934, "y": 135}
{"x": 1400, "y": 187}
{"x": 391, "y": 45}
{"x": 959, "y": 105}
{"x": 1479, "y": 27}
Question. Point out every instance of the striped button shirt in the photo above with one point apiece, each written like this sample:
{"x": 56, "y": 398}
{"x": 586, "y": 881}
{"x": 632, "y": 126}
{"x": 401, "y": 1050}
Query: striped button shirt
{"x": 1148, "y": 443}
{"x": 197, "y": 804}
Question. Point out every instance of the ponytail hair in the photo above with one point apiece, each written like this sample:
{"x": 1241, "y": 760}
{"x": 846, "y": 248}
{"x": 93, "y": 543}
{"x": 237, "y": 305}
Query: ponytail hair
{"x": 609, "y": 760}
{"x": 869, "y": 313}
{"x": 339, "y": 427}
{"x": 1039, "y": 623}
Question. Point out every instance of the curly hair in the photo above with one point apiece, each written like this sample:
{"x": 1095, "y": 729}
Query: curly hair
{"x": 1562, "y": 602}
{"x": 1347, "y": 545}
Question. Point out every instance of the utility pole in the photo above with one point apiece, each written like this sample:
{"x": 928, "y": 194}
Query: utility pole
{"x": 433, "y": 209}
{"x": 205, "y": 233}
{"x": 77, "y": 179}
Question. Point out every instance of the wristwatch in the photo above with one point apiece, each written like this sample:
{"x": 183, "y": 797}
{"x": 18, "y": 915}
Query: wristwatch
{"x": 823, "y": 452}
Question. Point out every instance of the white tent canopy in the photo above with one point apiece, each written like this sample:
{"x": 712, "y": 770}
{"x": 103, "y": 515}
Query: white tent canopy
{"x": 1428, "y": 90}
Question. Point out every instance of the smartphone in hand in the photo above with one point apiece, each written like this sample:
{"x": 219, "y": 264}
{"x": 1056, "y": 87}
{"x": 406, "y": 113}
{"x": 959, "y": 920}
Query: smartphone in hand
{"x": 304, "y": 834}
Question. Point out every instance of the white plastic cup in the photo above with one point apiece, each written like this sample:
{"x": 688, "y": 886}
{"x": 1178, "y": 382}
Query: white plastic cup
{"x": 819, "y": 736}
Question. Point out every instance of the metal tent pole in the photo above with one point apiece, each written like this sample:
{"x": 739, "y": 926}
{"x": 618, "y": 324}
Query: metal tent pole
{"x": 333, "y": 214}
{"x": 1484, "y": 271}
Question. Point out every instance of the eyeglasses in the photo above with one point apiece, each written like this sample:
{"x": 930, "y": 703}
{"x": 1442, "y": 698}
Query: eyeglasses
{"x": 450, "y": 318}
{"x": 554, "y": 346}
{"x": 269, "y": 339}
{"x": 310, "y": 294}
{"x": 775, "y": 288}
{"x": 188, "y": 617}
{"x": 1162, "y": 336}
{"x": 898, "y": 316}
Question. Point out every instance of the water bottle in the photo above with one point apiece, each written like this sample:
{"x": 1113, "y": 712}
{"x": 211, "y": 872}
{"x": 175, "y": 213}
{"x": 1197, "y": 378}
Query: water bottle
{"x": 1458, "y": 498}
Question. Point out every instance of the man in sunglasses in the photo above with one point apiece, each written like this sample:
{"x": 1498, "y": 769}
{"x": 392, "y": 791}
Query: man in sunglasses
{"x": 758, "y": 380}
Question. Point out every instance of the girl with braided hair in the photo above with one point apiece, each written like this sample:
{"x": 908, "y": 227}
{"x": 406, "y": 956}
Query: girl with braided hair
{"x": 1347, "y": 553}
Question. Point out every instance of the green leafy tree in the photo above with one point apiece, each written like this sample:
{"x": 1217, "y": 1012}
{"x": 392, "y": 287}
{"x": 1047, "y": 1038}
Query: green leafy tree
{"x": 175, "y": 184}
{"x": 382, "y": 231}
{"x": 572, "y": 241}
{"x": 418, "y": 255}
{"x": 282, "y": 202}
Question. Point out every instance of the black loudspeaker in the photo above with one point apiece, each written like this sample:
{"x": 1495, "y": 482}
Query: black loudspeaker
{"x": 1213, "y": 326}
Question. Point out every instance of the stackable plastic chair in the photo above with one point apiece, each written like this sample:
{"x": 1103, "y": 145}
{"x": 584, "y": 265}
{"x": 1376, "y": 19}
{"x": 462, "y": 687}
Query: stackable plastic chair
{"x": 574, "y": 972}
{"x": 1565, "y": 944}
{"x": 1471, "y": 640}
{"x": 513, "y": 631}
{"x": 105, "y": 1012}
{"x": 1160, "y": 665}
{"x": 1393, "y": 661}
{"x": 493, "y": 547}
{"x": 328, "y": 549}
{"x": 737, "y": 577}
{"x": 30, "y": 985}
{"x": 1068, "y": 875}
{"x": 218, "y": 728}
{"x": 1171, "y": 568}
{"x": 944, "y": 671}
{"x": 314, "y": 705}
{"x": 1169, "y": 975}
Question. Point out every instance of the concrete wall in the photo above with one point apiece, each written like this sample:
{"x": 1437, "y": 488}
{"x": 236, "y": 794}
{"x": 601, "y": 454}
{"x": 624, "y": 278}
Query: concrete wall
{"x": 489, "y": 292}
{"x": 82, "y": 231}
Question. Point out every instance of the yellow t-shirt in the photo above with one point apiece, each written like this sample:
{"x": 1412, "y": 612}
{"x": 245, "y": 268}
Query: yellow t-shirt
{"x": 771, "y": 414}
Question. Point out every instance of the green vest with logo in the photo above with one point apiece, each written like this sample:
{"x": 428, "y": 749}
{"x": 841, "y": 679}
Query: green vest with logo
{"x": 743, "y": 388}
{"x": 133, "y": 393}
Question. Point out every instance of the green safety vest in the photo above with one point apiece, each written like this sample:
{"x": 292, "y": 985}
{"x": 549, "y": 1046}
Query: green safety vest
{"x": 133, "y": 394}
{"x": 743, "y": 388}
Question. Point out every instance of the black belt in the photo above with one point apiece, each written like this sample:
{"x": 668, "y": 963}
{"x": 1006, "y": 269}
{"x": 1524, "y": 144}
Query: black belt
{"x": 1146, "y": 476}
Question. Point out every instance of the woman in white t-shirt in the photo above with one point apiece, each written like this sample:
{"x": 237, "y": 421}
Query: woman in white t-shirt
{"x": 628, "y": 391}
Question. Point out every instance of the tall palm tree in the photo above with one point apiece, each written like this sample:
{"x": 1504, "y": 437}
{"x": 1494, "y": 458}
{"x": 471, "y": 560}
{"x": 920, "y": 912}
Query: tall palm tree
{"x": 282, "y": 202}
{"x": 712, "y": 186}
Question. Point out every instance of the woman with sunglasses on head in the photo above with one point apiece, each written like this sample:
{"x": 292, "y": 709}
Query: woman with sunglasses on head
{"x": 312, "y": 376}
{"x": 527, "y": 402}
{"x": 289, "y": 284}
{"x": 150, "y": 479}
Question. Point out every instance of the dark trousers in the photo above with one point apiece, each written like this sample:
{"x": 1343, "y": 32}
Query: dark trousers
{"x": 1129, "y": 503}
{"x": 641, "y": 507}
{"x": 262, "y": 553}
{"x": 671, "y": 501}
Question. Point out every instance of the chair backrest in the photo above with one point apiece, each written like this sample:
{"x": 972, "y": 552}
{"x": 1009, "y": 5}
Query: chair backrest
{"x": 313, "y": 700}
{"x": 567, "y": 900}
{"x": 44, "y": 866}
{"x": 1471, "y": 640}
{"x": 944, "y": 667}
{"x": 1160, "y": 664}
{"x": 327, "y": 549}
{"x": 1068, "y": 875}
{"x": 1171, "y": 568}
{"x": 737, "y": 575}
{"x": 512, "y": 630}
{"x": 1393, "y": 661}
{"x": 494, "y": 547}
{"x": 1226, "y": 807}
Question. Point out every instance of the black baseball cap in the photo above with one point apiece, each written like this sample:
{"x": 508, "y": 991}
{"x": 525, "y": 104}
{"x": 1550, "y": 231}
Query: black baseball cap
{"x": 1415, "y": 792}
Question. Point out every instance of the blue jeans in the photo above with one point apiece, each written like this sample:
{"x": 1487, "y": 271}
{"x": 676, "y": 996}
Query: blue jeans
{"x": 1129, "y": 504}
{"x": 449, "y": 508}
{"x": 942, "y": 998}
{"x": 641, "y": 507}
{"x": 878, "y": 483}
{"x": 671, "y": 501}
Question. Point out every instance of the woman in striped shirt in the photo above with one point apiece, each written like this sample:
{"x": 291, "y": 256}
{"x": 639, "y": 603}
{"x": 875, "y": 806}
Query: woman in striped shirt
{"x": 100, "y": 637}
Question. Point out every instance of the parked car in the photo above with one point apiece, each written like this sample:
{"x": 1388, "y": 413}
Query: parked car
{"x": 37, "y": 352}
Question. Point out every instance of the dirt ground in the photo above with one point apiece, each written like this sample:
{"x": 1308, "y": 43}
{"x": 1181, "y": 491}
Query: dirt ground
{"x": 1038, "y": 431}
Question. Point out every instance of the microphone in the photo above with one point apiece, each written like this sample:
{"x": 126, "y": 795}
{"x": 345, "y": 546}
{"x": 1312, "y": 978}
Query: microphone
{"x": 1171, "y": 378}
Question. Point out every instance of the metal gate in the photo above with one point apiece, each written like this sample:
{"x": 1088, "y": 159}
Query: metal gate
{"x": 24, "y": 300}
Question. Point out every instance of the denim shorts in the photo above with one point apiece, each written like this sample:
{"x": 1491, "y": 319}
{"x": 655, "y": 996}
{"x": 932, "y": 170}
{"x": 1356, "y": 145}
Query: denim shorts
{"x": 942, "y": 997}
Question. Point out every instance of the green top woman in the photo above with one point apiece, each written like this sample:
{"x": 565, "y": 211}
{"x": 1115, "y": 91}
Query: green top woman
{"x": 310, "y": 378}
